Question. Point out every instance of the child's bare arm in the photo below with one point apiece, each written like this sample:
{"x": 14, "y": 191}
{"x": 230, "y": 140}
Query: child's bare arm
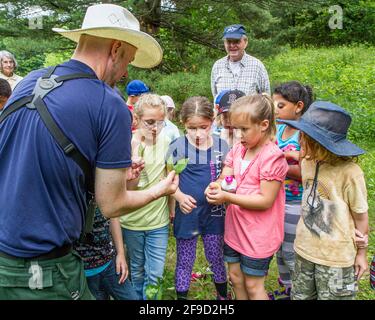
{"x": 294, "y": 172}
{"x": 262, "y": 201}
{"x": 171, "y": 207}
{"x": 186, "y": 202}
{"x": 361, "y": 224}
{"x": 121, "y": 265}
{"x": 227, "y": 171}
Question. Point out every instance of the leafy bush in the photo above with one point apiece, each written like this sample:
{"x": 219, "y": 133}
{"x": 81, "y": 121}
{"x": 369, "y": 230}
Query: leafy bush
{"x": 343, "y": 75}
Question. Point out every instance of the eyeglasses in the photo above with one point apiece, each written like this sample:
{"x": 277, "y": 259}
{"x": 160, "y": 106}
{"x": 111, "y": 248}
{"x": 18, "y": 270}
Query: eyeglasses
{"x": 232, "y": 41}
{"x": 150, "y": 124}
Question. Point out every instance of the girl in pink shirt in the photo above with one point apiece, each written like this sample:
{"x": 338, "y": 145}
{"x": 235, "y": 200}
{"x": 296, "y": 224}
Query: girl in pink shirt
{"x": 254, "y": 222}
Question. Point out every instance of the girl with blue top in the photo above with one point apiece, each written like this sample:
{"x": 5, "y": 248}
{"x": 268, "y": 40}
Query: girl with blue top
{"x": 291, "y": 99}
{"x": 194, "y": 216}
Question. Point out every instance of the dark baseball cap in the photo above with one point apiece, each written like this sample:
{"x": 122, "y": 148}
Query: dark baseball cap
{"x": 225, "y": 98}
{"x": 234, "y": 31}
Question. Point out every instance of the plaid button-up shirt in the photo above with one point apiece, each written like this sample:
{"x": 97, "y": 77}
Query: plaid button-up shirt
{"x": 252, "y": 78}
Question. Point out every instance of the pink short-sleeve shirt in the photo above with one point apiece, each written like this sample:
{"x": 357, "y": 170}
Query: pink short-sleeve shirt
{"x": 254, "y": 233}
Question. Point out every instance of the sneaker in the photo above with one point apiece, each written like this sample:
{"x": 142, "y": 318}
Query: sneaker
{"x": 282, "y": 294}
{"x": 198, "y": 275}
{"x": 271, "y": 296}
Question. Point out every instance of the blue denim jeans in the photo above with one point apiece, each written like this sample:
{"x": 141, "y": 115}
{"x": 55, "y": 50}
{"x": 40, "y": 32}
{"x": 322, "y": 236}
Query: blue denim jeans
{"x": 105, "y": 284}
{"x": 147, "y": 251}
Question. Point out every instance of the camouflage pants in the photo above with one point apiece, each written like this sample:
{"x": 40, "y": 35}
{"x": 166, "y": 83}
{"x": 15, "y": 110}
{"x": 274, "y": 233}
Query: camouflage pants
{"x": 312, "y": 281}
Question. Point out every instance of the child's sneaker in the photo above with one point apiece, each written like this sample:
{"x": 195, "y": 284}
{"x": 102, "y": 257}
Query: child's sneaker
{"x": 282, "y": 294}
{"x": 198, "y": 275}
{"x": 271, "y": 296}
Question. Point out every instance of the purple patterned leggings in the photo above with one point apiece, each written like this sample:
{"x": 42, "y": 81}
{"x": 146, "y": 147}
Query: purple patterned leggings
{"x": 186, "y": 252}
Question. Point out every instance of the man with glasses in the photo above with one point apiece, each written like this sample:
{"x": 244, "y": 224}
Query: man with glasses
{"x": 238, "y": 70}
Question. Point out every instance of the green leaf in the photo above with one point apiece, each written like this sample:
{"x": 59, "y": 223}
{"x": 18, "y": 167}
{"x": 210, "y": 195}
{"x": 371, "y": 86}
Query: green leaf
{"x": 181, "y": 165}
{"x": 151, "y": 291}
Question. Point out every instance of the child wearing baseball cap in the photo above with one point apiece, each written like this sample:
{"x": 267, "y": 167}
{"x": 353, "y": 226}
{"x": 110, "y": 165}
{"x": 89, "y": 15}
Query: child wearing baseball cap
{"x": 223, "y": 102}
{"x": 134, "y": 89}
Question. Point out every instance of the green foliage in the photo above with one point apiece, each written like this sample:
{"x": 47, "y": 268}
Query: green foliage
{"x": 309, "y": 25}
{"x": 179, "y": 85}
{"x": 155, "y": 291}
{"x": 52, "y": 59}
{"x": 343, "y": 75}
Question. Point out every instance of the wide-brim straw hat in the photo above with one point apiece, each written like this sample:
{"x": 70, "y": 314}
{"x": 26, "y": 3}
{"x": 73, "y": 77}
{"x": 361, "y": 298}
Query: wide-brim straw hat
{"x": 115, "y": 22}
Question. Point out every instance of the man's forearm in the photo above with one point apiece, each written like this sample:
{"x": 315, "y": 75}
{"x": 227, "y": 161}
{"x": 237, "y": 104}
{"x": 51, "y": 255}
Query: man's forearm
{"x": 130, "y": 201}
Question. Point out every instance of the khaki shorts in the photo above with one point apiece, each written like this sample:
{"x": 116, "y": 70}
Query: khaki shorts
{"x": 312, "y": 281}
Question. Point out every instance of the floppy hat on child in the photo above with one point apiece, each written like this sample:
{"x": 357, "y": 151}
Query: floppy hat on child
{"x": 225, "y": 98}
{"x": 327, "y": 124}
{"x": 115, "y": 22}
{"x": 136, "y": 88}
{"x": 168, "y": 101}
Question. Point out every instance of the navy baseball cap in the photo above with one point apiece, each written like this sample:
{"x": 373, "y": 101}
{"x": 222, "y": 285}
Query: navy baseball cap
{"x": 234, "y": 31}
{"x": 136, "y": 88}
{"x": 225, "y": 98}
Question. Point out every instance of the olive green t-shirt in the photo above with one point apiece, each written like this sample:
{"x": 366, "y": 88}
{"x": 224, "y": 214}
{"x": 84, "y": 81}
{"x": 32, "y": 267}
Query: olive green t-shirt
{"x": 326, "y": 230}
{"x": 156, "y": 213}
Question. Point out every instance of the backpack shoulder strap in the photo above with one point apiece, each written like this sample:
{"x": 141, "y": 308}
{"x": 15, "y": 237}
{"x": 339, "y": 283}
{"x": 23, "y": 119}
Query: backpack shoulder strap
{"x": 44, "y": 85}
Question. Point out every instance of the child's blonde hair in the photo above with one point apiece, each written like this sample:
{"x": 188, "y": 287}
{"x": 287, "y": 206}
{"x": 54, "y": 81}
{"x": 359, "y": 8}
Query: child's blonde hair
{"x": 196, "y": 106}
{"x": 312, "y": 150}
{"x": 149, "y": 100}
{"x": 256, "y": 108}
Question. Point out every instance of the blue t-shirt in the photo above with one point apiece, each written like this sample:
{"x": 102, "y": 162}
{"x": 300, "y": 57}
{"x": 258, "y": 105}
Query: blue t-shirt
{"x": 42, "y": 191}
{"x": 293, "y": 188}
{"x": 204, "y": 166}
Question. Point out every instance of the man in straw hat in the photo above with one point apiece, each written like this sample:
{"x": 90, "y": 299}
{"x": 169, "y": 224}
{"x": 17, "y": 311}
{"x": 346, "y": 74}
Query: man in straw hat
{"x": 57, "y": 125}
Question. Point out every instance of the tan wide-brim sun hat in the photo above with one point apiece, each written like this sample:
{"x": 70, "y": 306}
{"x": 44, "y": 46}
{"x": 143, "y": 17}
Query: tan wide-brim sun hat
{"x": 115, "y": 22}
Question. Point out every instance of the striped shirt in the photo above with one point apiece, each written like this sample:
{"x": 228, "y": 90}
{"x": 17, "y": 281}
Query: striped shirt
{"x": 252, "y": 77}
